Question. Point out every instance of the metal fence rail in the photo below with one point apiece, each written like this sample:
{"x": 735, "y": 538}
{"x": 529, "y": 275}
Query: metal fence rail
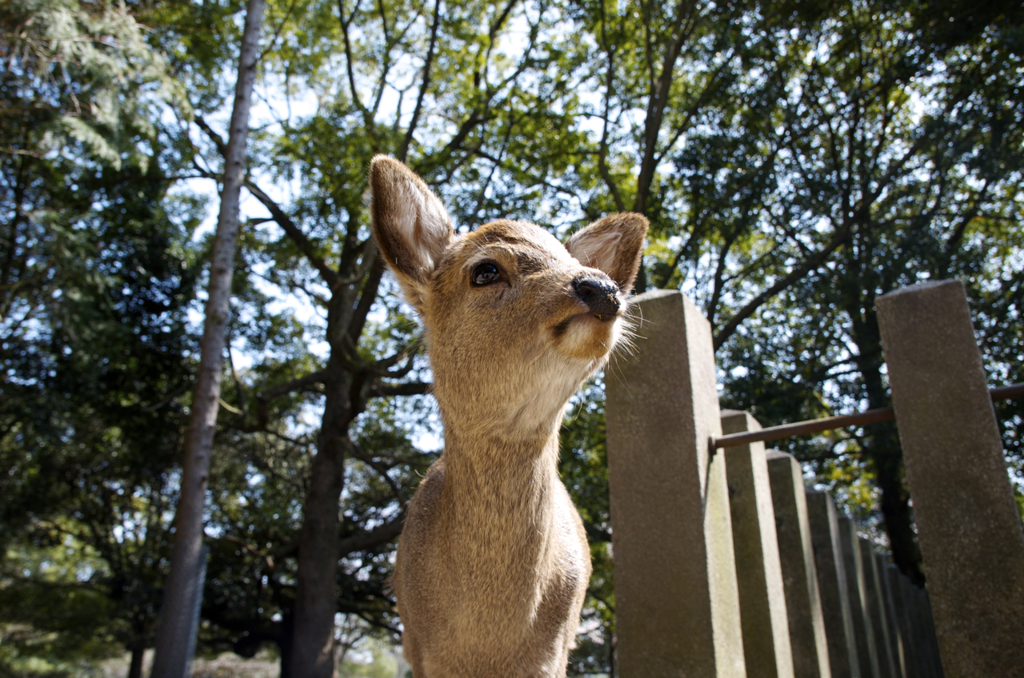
{"x": 832, "y": 423}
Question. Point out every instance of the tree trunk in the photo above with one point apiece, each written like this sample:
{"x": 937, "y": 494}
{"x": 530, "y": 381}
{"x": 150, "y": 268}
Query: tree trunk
{"x": 610, "y": 641}
{"x": 284, "y": 645}
{"x": 885, "y": 454}
{"x": 883, "y": 449}
{"x": 175, "y": 633}
{"x": 316, "y": 599}
{"x": 138, "y": 649}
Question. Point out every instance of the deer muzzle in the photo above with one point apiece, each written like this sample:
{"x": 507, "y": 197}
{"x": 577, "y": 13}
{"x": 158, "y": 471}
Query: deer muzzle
{"x": 600, "y": 296}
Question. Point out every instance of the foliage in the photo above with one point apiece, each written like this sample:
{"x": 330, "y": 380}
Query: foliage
{"x": 91, "y": 456}
{"x": 584, "y": 469}
{"x": 94, "y": 286}
{"x": 796, "y": 161}
{"x": 905, "y": 159}
{"x": 79, "y": 73}
{"x": 49, "y": 618}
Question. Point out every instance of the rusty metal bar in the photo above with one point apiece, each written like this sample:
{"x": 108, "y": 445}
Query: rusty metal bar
{"x": 831, "y": 423}
{"x": 1007, "y": 392}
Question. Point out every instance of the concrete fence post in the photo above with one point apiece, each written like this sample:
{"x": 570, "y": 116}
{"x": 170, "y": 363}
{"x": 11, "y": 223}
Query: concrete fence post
{"x": 972, "y": 544}
{"x": 677, "y": 603}
{"x": 766, "y": 640}
{"x": 889, "y": 607}
{"x": 919, "y": 631}
{"x": 835, "y": 602}
{"x": 928, "y": 630}
{"x": 923, "y": 631}
{"x": 876, "y": 610}
{"x": 856, "y": 588}
{"x": 912, "y": 664}
{"x": 799, "y": 574}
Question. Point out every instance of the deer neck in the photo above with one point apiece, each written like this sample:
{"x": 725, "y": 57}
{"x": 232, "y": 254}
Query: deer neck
{"x": 500, "y": 488}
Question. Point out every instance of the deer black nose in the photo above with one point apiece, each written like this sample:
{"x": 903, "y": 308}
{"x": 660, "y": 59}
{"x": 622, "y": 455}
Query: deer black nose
{"x": 600, "y": 296}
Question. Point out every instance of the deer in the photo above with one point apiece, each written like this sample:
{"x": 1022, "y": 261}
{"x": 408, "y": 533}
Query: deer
{"x": 493, "y": 562}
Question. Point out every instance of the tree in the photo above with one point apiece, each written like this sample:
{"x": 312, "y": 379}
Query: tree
{"x": 91, "y": 473}
{"x": 710, "y": 72}
{"x": 904, "y": 160}
{"x": 176, "y": 636}
{"x": 79, "y": 89}
{"x": 94, "y": 284}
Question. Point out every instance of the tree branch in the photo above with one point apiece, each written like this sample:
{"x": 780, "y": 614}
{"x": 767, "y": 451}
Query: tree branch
{"x": 403, "y": 149}
{"x": 218, "y": 140}
{"x": 353, "y": 90}
{"x": 694, "y": 109}
{"x": 366, "y": 299}
{"x": 602, "y": 156}
{"x": 809, "y": 264}
{"x": 955, "y": 239}
{"x": 304, "y": 244}
{"x": 367, "y": 540}
{"x": 382, "y": 471}
{"x": 264, "y": 398}
{"x": 278, "y": 215}
{"x": 409, "y": 388}
{"x": 657, "y": 102}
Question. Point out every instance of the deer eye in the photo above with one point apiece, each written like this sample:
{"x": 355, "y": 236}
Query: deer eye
{"x": 485, "y": 274}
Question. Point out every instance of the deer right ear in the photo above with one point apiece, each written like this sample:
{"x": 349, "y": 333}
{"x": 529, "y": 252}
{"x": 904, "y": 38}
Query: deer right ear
{"x": 410, "y": 225}
{"x": 614, "y": 245}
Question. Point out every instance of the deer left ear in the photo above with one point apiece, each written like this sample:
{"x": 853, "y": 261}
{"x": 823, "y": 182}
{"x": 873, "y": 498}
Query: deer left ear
{"x": 410, "y": 225}
{"x": 614, "y": 245}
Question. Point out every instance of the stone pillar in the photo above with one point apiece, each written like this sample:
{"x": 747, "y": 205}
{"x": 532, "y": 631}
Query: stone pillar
{"x": 926, "y": 653}
{"x": 889, "y": 608}
{"x": 972, "y": 544}
{"x": 766, "y": 641}
{"x": 677, "y": 604}
{"x": 799, "y": 575}
{"x": 919, "y": 628}
{"x": 928, "y": 630}
{"x": 835, "y": 602}
{"x": 912, "y": 666}
{"x": 856, "y": 589}
{"x": 876, "y": 610}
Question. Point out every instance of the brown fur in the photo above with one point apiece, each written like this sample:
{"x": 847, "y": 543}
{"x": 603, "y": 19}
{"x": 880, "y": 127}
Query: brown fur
{"x": 493, "y": 563}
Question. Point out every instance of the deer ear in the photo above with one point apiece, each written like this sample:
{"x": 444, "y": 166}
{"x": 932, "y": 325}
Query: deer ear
{"x": 410, "y": 225}
{"x": 613, "y": 245}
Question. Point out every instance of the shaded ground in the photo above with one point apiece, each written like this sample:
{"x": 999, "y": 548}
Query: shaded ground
{"x": 225, "y": 666}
